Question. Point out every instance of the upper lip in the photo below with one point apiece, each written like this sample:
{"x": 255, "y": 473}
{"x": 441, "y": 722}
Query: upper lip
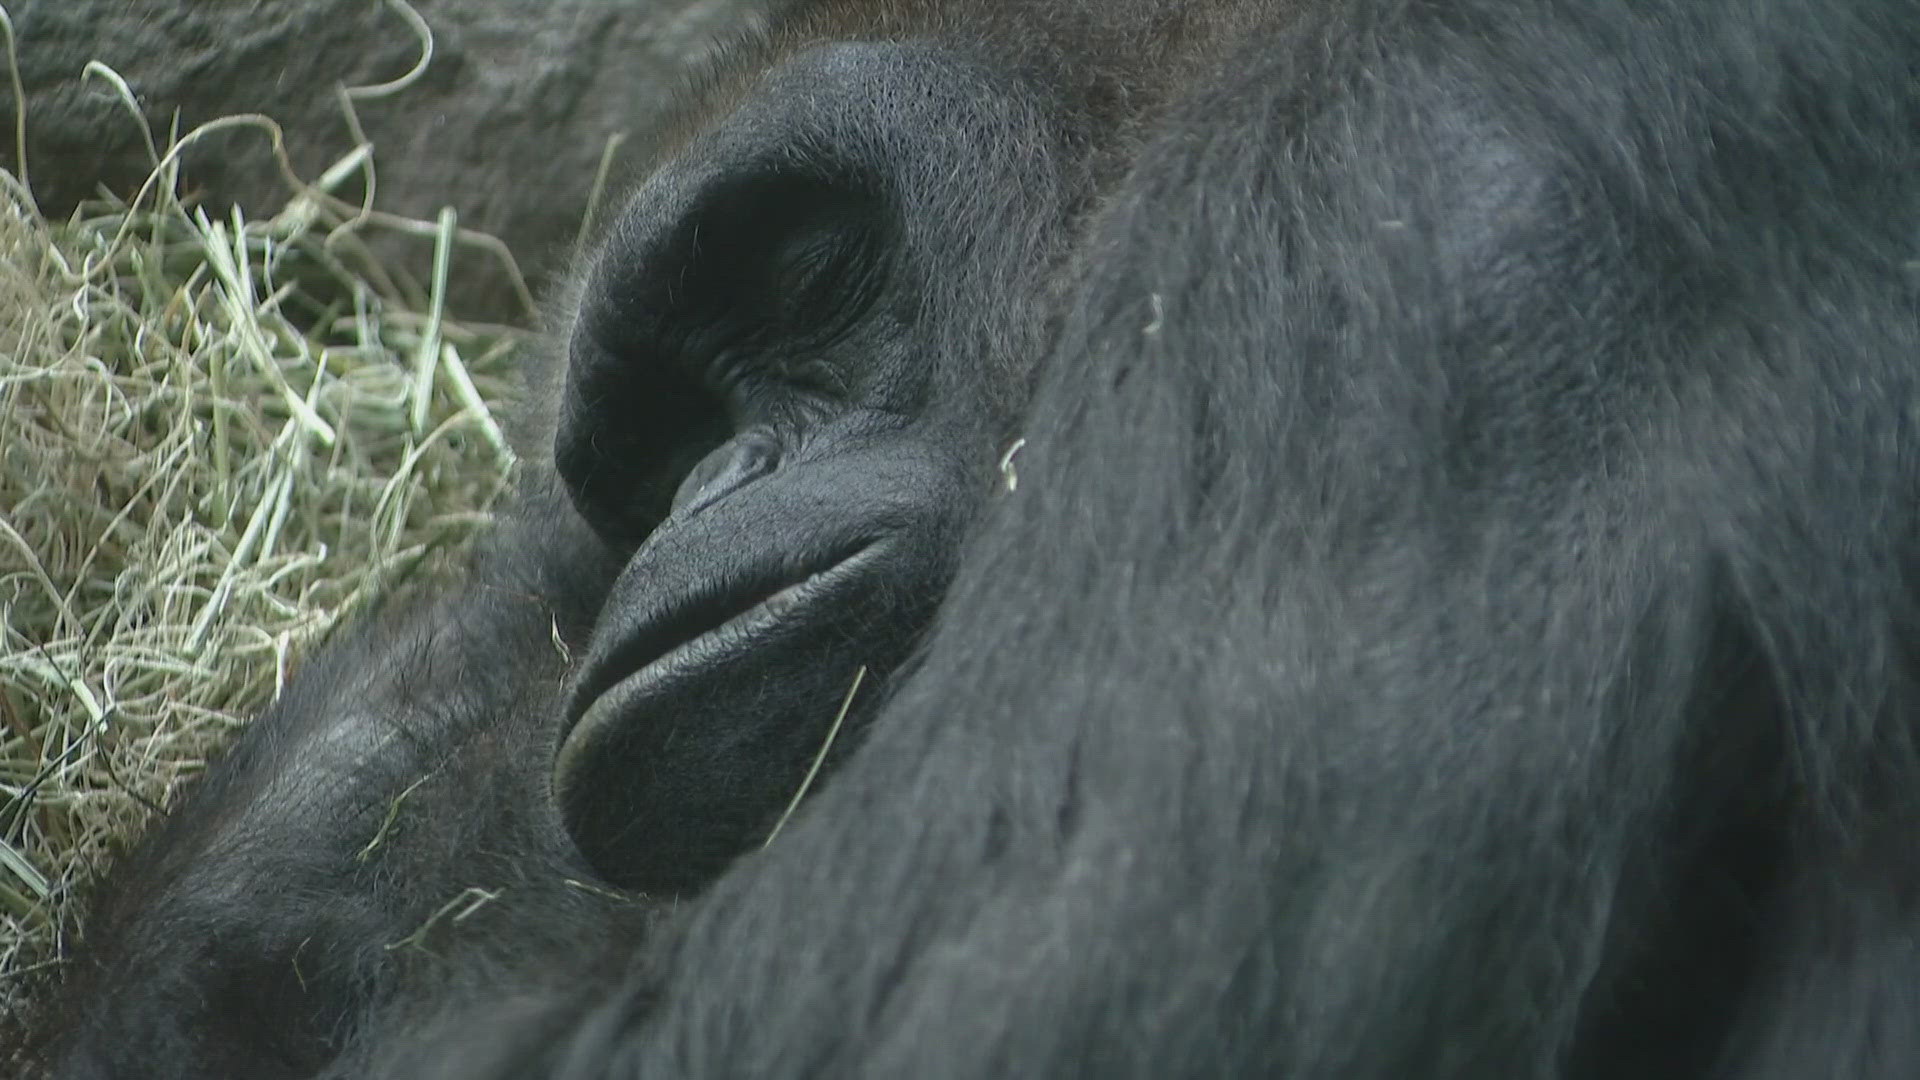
{"x": 761, "y": 597}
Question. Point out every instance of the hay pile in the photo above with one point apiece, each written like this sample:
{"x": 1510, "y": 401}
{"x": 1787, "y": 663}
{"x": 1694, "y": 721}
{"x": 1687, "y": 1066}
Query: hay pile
{"x": 217, "y": 438}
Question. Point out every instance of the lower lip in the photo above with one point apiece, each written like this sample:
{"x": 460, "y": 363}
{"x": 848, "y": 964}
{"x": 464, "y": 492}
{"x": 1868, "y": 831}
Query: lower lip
{"x": 697, "y": 654}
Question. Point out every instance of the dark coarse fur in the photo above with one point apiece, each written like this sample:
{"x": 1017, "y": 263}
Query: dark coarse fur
{"x": 1455, "y": 617}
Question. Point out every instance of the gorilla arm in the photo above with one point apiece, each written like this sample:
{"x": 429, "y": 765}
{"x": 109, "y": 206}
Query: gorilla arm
{"x": 1455, "y": 617}
{"x": 243, "y": 936}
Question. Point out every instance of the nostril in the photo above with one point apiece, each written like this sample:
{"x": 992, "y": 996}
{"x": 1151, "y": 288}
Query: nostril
{"x": 734, "y": 464}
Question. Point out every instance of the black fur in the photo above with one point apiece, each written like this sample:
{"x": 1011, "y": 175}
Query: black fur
{"x": 1455, "y": 617}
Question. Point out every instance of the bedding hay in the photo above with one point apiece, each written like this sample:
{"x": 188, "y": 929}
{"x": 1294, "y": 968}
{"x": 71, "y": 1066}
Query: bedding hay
{"x": 218, "y": 437}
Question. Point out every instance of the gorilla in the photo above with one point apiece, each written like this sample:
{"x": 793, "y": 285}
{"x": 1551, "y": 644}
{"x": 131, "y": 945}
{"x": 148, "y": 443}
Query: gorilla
{"x": 1302, "y": 538}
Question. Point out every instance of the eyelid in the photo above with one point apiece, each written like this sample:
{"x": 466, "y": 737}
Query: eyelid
{"x": 817, "y": 374}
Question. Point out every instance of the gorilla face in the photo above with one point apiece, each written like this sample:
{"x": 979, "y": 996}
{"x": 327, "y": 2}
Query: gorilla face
{"x": 765, "y": 404}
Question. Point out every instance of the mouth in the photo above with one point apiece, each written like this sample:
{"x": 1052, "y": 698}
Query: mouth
{"x": 695, "y": 633}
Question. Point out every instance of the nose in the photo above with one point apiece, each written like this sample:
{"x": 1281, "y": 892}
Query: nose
{"x": 731, "y": 466}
